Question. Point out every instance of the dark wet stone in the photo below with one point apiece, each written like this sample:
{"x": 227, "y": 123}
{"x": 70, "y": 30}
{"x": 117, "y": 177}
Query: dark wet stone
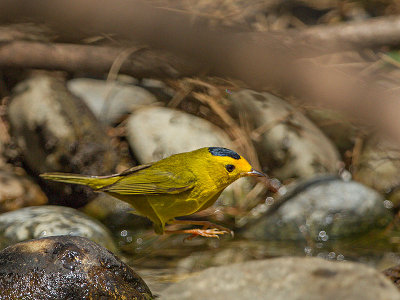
{"x": 329, "y": 209}
{"x": 66, "y": 267}
{"x": 56, "y": 131}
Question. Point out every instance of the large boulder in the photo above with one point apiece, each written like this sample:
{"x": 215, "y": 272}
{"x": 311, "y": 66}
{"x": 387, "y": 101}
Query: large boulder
{"x": 66, "y": 267}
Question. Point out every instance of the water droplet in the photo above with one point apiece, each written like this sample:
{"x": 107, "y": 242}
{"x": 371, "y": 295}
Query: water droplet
{"x": 388, "y": 204}
{"x": 275, "y": 183}
{"x": 340, "y": 257}
{"x": 124, "y": 233}
{"x": 303, "y": 228}
{"x": 345, "y": 175}
{"x": 282, "y": 190}
{"x": 269, "y": 200}
{"x": 308, "y": 251}
{"x": 262, "y": 208}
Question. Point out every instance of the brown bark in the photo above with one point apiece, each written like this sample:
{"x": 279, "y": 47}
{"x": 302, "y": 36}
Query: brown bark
{"x": 140, "y": 63}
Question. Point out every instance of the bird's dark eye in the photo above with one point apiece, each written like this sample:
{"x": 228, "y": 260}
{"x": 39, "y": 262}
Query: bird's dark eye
{"x": 230, "y": 168}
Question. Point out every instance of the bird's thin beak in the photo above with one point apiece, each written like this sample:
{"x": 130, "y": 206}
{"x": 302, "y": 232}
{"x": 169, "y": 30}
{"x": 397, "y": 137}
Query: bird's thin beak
{"x": 256, "y": 173}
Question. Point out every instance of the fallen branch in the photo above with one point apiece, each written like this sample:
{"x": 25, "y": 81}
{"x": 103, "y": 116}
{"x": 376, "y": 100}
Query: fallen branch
{"x": 140, "y": 63}
{"x": 371, "y": 34}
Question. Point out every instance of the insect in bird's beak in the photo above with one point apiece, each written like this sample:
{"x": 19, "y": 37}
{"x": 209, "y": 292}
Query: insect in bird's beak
{"x": 256, "y": 173}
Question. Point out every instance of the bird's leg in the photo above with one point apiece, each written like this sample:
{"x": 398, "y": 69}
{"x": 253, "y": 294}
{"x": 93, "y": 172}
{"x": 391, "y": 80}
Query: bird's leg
{"x": 209, "y": 229}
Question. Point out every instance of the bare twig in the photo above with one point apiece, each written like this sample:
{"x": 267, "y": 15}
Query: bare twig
{"x": 94, "y": 59}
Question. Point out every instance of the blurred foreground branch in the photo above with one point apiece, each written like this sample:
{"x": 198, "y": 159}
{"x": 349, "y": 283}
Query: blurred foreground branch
{"x": 141, "y": 63}
{"x": 371, "y": 34}
{"x": 263, "y": 63}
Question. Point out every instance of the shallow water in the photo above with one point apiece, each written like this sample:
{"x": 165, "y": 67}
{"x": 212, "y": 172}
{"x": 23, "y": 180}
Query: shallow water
{"x": 163, "y": 260}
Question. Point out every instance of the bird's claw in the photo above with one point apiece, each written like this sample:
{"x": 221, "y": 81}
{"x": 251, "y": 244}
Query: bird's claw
{"x": 211, "y": 232}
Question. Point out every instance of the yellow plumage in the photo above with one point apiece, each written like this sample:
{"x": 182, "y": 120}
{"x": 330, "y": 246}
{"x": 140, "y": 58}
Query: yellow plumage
{"x": 179, "y": 185}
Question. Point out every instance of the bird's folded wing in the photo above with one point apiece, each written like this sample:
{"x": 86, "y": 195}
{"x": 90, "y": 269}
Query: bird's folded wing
{"x": 151, "y": 181}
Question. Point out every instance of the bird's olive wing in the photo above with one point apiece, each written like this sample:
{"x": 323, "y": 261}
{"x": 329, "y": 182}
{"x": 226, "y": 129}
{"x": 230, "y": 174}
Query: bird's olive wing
{"x": 150, "y": 181}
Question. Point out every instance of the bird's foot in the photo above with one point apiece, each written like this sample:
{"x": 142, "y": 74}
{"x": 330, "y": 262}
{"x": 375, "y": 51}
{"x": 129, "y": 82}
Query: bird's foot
{"x": 211, "y": 232}
{"x": 209, "y": 229}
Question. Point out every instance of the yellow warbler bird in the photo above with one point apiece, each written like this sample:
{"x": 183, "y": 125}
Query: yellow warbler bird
{"x": 176, "y": 186}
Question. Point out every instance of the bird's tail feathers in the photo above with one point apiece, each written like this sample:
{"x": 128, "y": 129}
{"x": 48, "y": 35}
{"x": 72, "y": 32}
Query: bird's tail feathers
{"x": 95, "y": 182}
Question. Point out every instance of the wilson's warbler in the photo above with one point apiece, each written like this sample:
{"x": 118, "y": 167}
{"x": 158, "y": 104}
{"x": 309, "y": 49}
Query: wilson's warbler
{"x": 179, "y": 185}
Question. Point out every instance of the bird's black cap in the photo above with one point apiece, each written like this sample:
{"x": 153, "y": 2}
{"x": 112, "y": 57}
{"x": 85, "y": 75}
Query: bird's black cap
{"x": 218, "y": 151}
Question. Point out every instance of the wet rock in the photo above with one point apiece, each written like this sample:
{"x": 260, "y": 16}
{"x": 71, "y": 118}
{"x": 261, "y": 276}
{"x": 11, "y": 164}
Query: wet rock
{"x": 66, "y": 267}
{"x": 18, "y": 191}
{"x": 55, "y": 131}
{"x": 394, "y": 275}
{"x": 109, "y": 101}
{"x": 328, "y": 209}
{"x": 379, "y": 165}
{"x": 335, "y": 126}
{"x": 200, "y": 260}
{"x": 285, "y": 278}
{"x": 157, "y": 132}
{"x": 288, "y": 143}
{"x": 41, "y": 221}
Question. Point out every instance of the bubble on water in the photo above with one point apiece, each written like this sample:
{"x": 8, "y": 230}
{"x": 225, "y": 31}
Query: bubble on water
{"x": 323, "y": 236}
{"x": 322, "y": 255}
{"x": 282, "y": 190}
{"x": 328, "y": 219}
{"x": 129, "y": 239}
{"x": 262, "y": 208}
{"x": 340, "y": 257}
{"x": 269, "y": 201}
{"x": 303, "y": 228}
{"x": 319, "y": 245}
{"x": 124, "y": 233}
{"x": 308, "y": 251}
{"x": 345, "y": 175}
{"x": 388, "y": 204}
{"x": 275, "y": 183}
{"x": 331, "y": 255}
{"x": 139, "y": 241}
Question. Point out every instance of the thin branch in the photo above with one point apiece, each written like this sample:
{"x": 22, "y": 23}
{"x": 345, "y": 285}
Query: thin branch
{"x": 93, "y": 59}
